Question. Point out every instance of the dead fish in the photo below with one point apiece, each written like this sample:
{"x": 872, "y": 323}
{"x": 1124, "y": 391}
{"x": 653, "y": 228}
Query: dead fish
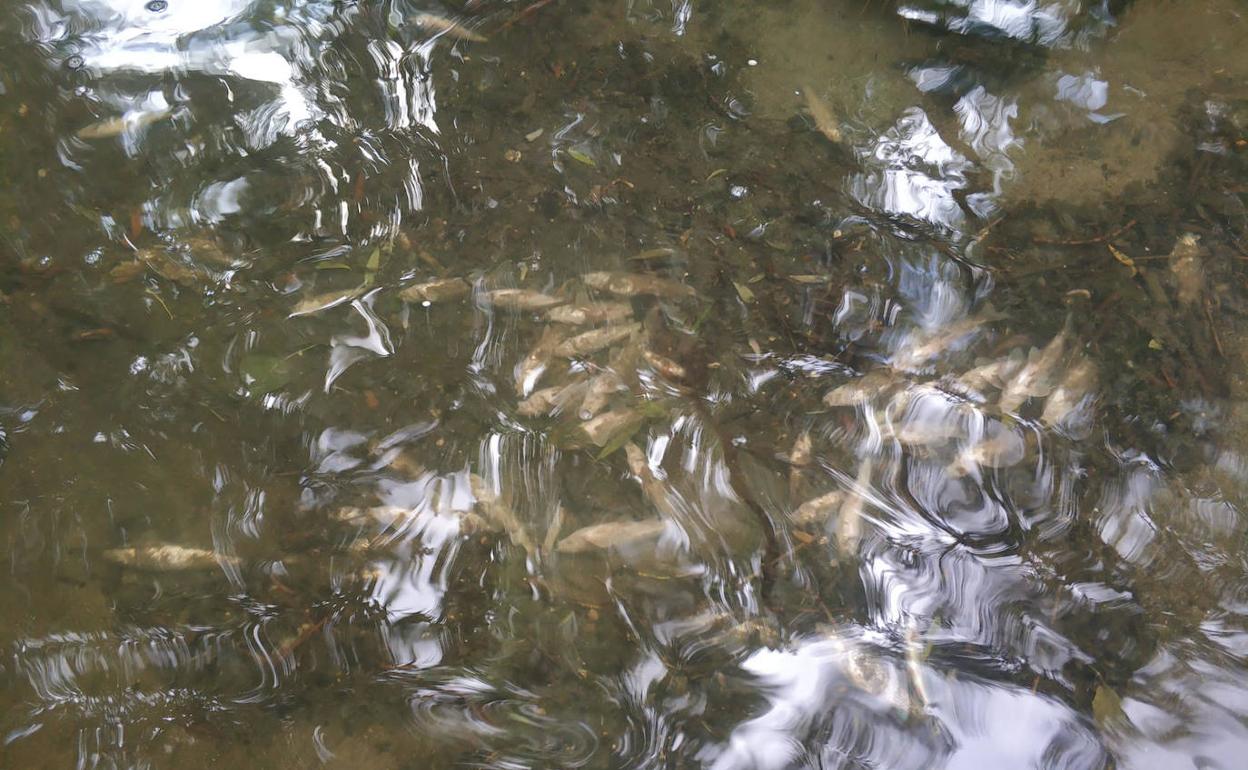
{"x": 442, "y": 25}
{"x": 819, "y": 110}
{"x": 602, "y": 428}
{"x": 385, "y": 515}
{"x": 1000, "y": 447}
{"x": 1186, "y": 267}
{"x": 597, "y": 339}
{"x": 106, "y": 129}
{"x": 601, "y": 387}
{"x": 168, "y": 558}
{"x": 849, "y": 523}
{"x": 993, "y": 374}
{"x": 319, "y": 302}
{"x": 436, "y": 291}
{"x": 523, "y": 300}
{"x": 917, "y": 352}
{"x": 799, "y": 460}
{"x": 1036, "y": 378}
{"x": 530, "y": 368}
{"x": 613, "y": 535}
{"x": 591, "y": 313}
{"x": 665, "y": 366}
{"x": 494, "y": 510}
{"x": 168, "y": 267}
{"x": 916, "y": 651}
{"x": 1071, "y": 393}
{"x": 636, "y": 284}
{"x": 552, "y": 399}
{"x": 817, "y": 511}
{"x": 862, "y": 389}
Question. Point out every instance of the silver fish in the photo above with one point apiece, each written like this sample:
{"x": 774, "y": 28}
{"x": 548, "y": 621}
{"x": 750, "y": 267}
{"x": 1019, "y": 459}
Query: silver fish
{"x": 993, "y": 374}
{"x": 799, "y": 460}
{"x": 665, "y": 366}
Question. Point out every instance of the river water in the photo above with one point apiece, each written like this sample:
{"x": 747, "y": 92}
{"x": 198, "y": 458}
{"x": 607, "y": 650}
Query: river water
{"x": 539, "y": 384}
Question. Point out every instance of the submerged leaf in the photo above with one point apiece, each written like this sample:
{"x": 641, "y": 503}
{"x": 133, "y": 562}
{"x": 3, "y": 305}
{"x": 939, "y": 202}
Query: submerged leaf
{"x": 264, "y": 373}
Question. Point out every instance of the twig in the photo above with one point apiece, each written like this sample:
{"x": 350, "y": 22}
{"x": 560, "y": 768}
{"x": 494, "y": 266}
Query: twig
{"x": 528, "y": 11}
{"x": 1086, "y": 241}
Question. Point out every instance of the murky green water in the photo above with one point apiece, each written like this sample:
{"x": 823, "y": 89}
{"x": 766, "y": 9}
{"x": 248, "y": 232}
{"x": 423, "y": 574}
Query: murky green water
{"x": 624, "y": 384}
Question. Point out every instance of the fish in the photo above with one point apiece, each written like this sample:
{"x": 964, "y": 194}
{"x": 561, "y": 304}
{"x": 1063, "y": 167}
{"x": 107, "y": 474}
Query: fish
{"x": 441, "y": 25}
{"x": 601, "y": 387}
{"x": 319, "y": 302}
{"x": 436, "y": 291}
{"x": 168, "y": 267}
{"x": 915, "y": 353}
{"x": 530, "y": 368}
{"x": 602, "y": 428}
{"x": 595, "y": 340}
{"x": 819, "y": 110}
{"x": 590, "y": 313}
{"x": 799, "y": 460}
{"x": 1005, "y": 446}
{"x": 1071, "y": 393}
{"x": 1037, "y": 375}
{"x": 993, "y": 374}
{"x": 862, "y": 389}
{"x": 116, "y": 126}
{"x": 495, "y": 511}
{"x": 818, "y": 510}
{"x": 168, "y": 558}
{"x": 1186, "y": 267}
{"x": 637, "y": 284}
{"x": 386, "y": 515}
{"x": 613, "y": 535}
{"x": 552, "y": 399}
{"x": 665, "y": 366}
{"x": 916, "y": 651}
{"x": 849, "y": 523}
{"x": 523, "y": 300}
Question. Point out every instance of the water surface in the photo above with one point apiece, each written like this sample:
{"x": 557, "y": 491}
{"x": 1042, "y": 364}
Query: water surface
{"x": 872, "y": 396}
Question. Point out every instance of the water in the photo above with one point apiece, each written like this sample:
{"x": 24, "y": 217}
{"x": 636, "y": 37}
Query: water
{"x": 926, "y": 450}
